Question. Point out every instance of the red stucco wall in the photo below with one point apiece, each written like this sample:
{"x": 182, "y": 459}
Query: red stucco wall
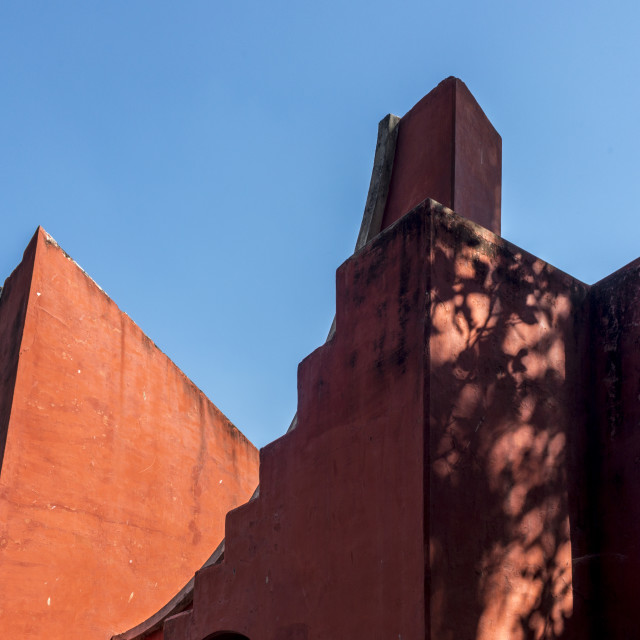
{"x": 117, "y": 471}
{"x": 334, "y": 546}
{"x": 13, "y": 308}
{"x": 447, "y": 150}
{"x": 464, "y": 465}
{"x": 427, "y": 490}
{"x": 614, "y": 461}
{"x": 503, "y": 383}
{"x": 466, "y": 457}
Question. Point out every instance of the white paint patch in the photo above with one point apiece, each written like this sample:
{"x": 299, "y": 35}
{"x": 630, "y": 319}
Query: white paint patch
{"x": 38, "y": 293}
{"x": 131, "y": 597}
{"x": 48, "y": 602}
{"x": 220, "y": 482}
{"x": 79, "y": 371}
{"x": 130, "y": 561}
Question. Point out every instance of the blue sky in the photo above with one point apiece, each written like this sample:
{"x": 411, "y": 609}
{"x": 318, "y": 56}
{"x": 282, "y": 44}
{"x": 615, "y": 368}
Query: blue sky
{"x": 207, "y": 163}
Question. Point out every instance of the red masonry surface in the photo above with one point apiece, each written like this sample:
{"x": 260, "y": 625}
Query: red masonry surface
{"x": 465, "y": 460}
{"x": 465, "y": 463}
{"x": 424, "y": 491}
{"x": 447, "y": 150}
{"x": 117, "y": 471}
{"x": 614, "y": 457}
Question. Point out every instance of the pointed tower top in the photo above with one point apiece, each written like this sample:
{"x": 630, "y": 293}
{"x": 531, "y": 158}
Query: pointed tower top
{"x": 447, "y": 150}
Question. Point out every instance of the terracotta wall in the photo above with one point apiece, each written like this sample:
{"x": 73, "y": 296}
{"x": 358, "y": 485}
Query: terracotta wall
{"x": 117, "y": 471}
{"x": 504, "y": 379}
{"x": 427, "y": 490}
{"x": 614, "y": 461}
{"x": 447, "y": 150}
{"x": 466, "y": 460}
{"x": 334, "y": 545}
{"x": 13, "y": 308}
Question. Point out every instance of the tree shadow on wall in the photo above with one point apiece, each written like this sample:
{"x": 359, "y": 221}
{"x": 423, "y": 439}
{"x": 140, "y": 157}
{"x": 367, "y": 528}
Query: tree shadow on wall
{"x": 500, "y": 418}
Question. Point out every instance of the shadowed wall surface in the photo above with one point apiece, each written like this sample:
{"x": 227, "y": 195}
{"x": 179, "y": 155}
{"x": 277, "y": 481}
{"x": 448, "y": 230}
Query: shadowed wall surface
{"x": 503, "y": 385}
{"x": 464, "y": 462}
{"x": 427, "y": 489}
{"x": 464, "y": 459}
{"x": 117, "y": 471}
{"x": 614, "y": 459}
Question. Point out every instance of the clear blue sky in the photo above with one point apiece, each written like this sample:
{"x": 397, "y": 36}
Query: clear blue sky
{"x": 207, "y": 163}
